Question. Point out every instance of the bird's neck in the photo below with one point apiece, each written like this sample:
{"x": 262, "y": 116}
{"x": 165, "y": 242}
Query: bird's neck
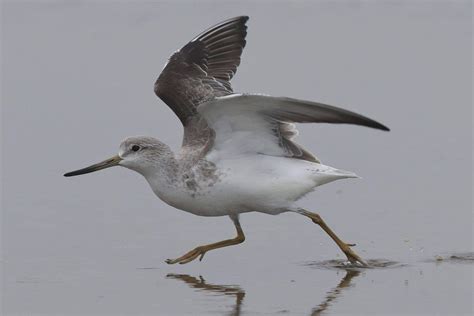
{"x": 163, "y": 175}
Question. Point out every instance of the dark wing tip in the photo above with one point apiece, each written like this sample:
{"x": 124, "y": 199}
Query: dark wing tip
{"x": 377, "y": 125}
{"x": 221, "y": 47}
{"x": 357, "y": 119}
{"x": 332, "y": 114}
{"x": 243, "y": 18}
{"x": 240, "y": 20}
{"x": 384, "y": 128}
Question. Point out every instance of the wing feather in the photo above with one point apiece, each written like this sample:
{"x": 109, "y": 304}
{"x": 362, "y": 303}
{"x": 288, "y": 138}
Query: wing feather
{"x": 264, "y": 125}
{"x": 203, "y": 68}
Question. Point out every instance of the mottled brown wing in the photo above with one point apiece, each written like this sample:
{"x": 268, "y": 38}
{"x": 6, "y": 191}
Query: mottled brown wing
{"x": 202, "y": 69}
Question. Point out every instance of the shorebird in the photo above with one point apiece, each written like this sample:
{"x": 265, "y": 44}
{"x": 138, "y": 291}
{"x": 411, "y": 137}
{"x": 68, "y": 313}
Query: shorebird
{"x": 238, "y": 152}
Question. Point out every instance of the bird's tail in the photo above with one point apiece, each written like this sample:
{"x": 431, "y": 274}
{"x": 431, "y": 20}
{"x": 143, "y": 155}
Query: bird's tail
{"x": 324, "y": 174}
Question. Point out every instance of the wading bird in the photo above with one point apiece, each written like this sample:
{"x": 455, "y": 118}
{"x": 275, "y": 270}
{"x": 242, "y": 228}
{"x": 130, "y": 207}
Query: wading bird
{"x": 238, "y": 153}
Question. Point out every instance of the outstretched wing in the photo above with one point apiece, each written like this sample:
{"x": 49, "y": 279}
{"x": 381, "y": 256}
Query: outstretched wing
{"x": 203, "y": 68}
{"x": 259, "y": 124}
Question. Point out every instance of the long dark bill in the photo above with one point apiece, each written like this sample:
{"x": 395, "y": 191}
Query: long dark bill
{"x": 98, "y": 166}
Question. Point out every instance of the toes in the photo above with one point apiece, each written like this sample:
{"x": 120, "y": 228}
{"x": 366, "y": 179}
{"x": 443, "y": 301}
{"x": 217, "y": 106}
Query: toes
{"x": 355, "y": 259}
{"x": 190, "y": 256}
{"x": 177, "y": 260}
{"x": 186, "y": 260}
{"x": 361, "y": 263}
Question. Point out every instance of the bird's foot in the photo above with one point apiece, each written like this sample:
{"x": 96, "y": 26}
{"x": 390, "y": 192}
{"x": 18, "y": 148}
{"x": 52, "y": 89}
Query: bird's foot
{"x": 353, "y": 257}
{"x": 345, "y": 247}
{"x": 190, "y": 256}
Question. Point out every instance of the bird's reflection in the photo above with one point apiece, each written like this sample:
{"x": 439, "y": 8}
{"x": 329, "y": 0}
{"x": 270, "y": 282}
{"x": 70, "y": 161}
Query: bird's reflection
{"x": 332, "y": 295}
{"x": 239, "y": 293}
{"x": 201, "y": 284}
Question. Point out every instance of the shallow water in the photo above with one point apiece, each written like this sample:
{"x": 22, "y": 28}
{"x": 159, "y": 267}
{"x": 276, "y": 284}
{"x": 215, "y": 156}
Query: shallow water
{"x": 77, "y": 78}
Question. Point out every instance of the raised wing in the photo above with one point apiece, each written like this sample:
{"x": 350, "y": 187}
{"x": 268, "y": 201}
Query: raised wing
{"x": 203, "y": 68}
{"x": 259, "y": 124}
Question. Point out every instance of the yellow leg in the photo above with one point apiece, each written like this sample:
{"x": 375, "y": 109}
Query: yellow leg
{"x": 350, "y": 254}
{"x": 201, "y": 250}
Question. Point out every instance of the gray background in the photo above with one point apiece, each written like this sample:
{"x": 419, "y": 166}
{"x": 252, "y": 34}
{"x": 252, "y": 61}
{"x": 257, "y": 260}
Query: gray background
{"x": 77, "y": 78}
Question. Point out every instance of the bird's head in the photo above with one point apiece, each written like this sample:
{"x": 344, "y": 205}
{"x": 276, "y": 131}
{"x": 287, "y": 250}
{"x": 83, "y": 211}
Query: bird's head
{"x": 141, "y": 154}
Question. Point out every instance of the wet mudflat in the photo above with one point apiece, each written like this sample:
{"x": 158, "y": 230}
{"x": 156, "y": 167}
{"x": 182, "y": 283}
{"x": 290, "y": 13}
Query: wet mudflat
{"x": 77, "y": 79}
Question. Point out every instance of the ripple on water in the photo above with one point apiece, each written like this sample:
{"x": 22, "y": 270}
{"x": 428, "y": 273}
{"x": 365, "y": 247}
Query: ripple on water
{"x": 463, "y": 257}
{"x": 346, "y": 265}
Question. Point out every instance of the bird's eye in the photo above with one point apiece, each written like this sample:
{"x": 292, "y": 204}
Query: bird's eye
{"x": 135, "y": 148}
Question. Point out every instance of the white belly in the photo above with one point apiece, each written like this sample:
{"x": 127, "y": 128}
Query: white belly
{"x": 257, "y": 183}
